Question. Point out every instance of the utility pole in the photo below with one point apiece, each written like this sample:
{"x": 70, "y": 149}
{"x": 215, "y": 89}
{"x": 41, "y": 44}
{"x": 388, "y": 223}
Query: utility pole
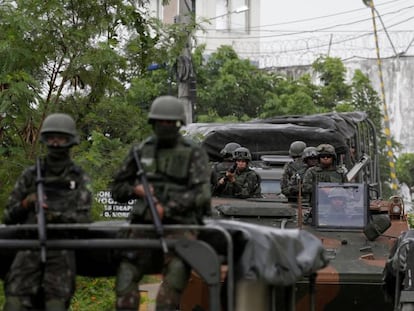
{"x": 393, "y": 175}
{"x": 185, "y": 73}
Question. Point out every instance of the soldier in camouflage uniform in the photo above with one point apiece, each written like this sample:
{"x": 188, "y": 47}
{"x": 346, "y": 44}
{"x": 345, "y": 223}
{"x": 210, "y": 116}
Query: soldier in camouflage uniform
{"x": 67, "y": 200}
{"x": 179, "y": 175}
{"x": 326, "y": 171}
{"x": 243, "y": 182}
{"x": 219, "y": 169}
{"x": 310, "y": 157}
{"x": 293, "y": 171}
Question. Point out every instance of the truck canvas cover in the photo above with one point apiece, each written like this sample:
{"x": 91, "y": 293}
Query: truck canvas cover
{"x": 277, "y": 256}
{"x": 274, "y": 135}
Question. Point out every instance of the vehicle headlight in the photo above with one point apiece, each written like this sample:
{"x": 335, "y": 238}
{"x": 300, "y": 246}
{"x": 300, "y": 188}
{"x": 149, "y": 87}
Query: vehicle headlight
{"x": 396, "y": 209}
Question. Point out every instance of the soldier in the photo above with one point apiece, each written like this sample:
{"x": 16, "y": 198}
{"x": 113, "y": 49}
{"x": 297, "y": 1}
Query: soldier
{"x": 219, "y": 169}
{"x": 179, "y": 176}
{"x": 293, "y": 170}
{"x": 326, "y": 171}
{"x": 243, "y": 182}
{"x": 67, "y": 200}
{"x": 310, "y": 158}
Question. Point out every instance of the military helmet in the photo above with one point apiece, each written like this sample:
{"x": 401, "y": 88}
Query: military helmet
{"x": 60, "y": 123}
{"x": 227, "y": 151}
{"x": 167, "y": 108}
{"x": 324, "y": 149}
{"x": 242, "y": 153}
{"x": 296, "y": 148}
{"x": 309, "y": 152}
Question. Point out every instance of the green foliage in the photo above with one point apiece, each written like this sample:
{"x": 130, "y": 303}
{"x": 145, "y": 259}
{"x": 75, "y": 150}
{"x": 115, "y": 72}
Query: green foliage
{"x": 410, "y": 219}
{"x": 229, "y": 85}
{"x": 213, "y": 116}
{"x": 230, "y": 88}
{"x": 405, "y": 168}
{"x": 288, "y": 97}
{"x": 74, "y": 57}
{"x": 334, "y": 89}
{"x": 94, "y": 294}
{"x": 365, "y": 98}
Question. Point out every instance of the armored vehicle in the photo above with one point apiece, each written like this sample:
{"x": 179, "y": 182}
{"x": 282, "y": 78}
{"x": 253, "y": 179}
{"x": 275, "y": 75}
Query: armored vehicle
{"x": 281, "y": 246}
{"x": 357, "y": 237}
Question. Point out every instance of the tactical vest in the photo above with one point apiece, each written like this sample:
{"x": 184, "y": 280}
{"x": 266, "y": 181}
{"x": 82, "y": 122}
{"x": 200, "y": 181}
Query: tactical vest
{"x": 335, "y": 175}
{"x": 167, "y": 171}
{"x": 62, "y": 193}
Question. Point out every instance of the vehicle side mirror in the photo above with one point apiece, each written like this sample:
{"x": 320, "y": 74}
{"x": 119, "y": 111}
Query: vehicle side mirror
{"x": 377, "y": 226}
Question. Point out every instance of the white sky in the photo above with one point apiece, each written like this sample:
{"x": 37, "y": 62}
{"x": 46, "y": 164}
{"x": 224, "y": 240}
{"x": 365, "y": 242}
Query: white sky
{"x": 306, "y": 28}
{"x": 392, "y": 12}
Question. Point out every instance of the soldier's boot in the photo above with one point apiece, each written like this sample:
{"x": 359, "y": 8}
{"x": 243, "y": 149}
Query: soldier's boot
{"x": 127, "y": 294}
{"x": 55, "y": 305}
{"x": 13, "y": 303}
{"x": 175, "y": 280}
{"x": 168, "y": 298}
{"x": 128, "y": 302}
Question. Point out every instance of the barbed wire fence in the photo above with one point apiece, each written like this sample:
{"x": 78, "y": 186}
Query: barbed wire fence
{"x": 304, "y": 51}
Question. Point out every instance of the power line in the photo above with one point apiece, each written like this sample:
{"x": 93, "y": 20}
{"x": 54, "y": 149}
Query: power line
{"x": 323, "y": 16}
{"x": 305, "y": 51}
{"x": 299, "y": 32}
{"x": 308, "y": 44}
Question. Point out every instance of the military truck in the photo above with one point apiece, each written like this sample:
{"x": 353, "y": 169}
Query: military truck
{"x": 267, "y": 240}
{"x": 359, "y": 240}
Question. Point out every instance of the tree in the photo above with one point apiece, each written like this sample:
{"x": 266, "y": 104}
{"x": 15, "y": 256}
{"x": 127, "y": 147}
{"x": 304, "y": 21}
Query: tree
{"x": 334, "y": 89}
{"x": 405, "y": 168}
{"x": 289, "y": 97}
{"x": 86, "y": 58}
{"x": 229, "y": 85}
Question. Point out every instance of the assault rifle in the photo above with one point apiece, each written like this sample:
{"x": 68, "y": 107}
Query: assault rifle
{"x": 300, "y": 216}
{"x": 40, "y": 212}
{"x": 150, "y": 201}
{"x": 231, "y": 170}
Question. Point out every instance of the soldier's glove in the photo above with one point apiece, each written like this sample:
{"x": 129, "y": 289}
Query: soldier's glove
{"x": 29, "y": 201}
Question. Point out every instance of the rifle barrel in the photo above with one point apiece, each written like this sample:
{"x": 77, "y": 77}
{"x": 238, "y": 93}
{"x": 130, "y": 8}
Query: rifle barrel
{"x": 150, "y": 201}
{"x": 41, "y": 219}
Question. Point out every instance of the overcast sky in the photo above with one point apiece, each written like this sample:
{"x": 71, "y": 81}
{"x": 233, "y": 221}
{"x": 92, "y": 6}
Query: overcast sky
{"x": 297, "y": 30}
{"x": 315, "y": 13}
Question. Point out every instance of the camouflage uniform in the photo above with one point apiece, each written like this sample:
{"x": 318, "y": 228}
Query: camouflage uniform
{"x": 68, "y": 198}
{"x": 247, "y": 185}
{"x": 219, "y": 169}
{"x": 180, "y": 176}
{"x": 316, "y": 174}
{"x": 291, "y": 172}
{"x": 246, "y": 182}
